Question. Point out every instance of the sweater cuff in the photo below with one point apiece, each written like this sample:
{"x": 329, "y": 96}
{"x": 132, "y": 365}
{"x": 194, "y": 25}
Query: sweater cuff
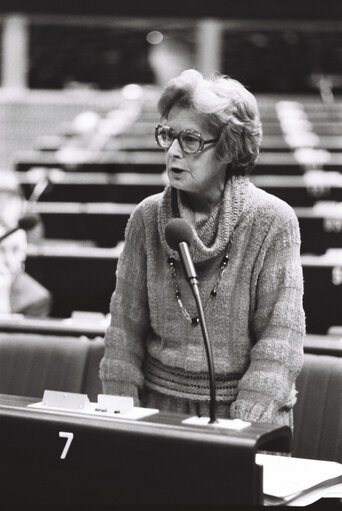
{"x": 253, "y": 412}
{"x": 121, "y": 388}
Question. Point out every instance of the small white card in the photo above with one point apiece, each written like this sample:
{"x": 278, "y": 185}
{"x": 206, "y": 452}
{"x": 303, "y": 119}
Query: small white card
{"x": 120, "y": 407}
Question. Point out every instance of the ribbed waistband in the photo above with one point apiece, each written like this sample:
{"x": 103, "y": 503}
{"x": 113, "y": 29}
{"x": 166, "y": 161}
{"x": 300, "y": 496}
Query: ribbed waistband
{"x": 177, "y": 382}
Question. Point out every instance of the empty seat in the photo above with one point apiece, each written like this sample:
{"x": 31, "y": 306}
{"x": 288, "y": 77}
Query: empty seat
{"x": 318, "y": 411}
{"x": 32, "y": 363}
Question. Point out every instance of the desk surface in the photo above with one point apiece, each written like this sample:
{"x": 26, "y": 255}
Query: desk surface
{"x": 39, "y": 429}
{"x": 89, "y": 326}
{"x": 264, "y": 433}
{"x": 140, "y": 159}
{"x": 155, "y": 460}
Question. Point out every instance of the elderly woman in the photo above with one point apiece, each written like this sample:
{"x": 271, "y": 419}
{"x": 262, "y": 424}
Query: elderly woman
{"x": 246, "y": 250}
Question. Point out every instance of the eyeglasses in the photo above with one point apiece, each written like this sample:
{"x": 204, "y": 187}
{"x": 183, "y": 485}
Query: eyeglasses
{"x": 189, "y": 141}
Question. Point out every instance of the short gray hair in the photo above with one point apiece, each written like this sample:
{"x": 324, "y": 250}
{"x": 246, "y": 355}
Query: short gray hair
{"x": 228, "y": 109}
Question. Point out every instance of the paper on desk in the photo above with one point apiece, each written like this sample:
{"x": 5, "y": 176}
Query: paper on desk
{"x": 303, "y": 500}
{"x": 284, "y": 476}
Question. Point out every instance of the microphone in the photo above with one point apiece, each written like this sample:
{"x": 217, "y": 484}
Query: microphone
{"x": 27, "y": 222}
{"x": 179, "y": 235}
{"x": 45, "y": 179}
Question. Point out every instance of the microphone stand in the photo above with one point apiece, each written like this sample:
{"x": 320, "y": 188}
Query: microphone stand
{"x": 38, "y": 190}
{"x": 192, "y": 277}
{"x": 207, "y": 344}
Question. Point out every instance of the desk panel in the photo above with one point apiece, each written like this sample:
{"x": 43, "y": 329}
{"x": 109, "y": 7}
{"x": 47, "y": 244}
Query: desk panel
{"x": 104, "y": 224}
{"x": 158, "y": 461}
{"x": 133, "y": 187}
{"x": 278, "y": 163}
{"x": 86, "y": 282}
{"x": 76, "y": 283}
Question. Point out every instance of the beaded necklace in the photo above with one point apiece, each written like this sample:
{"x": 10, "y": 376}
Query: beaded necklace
{"x": 195, "y": 320}
{"x": 171, "y": 261}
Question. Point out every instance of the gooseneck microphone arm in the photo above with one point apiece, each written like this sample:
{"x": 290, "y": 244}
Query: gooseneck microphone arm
{"x": 207, "y": 345}
{"x": 178, "y": 234}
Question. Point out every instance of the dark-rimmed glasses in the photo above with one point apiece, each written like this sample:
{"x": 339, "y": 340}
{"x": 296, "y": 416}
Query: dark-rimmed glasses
{"x": 189, "y": 140}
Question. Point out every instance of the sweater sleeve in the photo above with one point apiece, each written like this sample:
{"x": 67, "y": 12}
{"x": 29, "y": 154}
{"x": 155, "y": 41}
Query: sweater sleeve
{"x": 121, "y": 367}
{"x": 267, "y": 387}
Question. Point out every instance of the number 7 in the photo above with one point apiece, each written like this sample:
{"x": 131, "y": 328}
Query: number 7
{"x": 69, "y": 437}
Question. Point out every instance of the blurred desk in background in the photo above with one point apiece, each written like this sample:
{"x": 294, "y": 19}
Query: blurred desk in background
{"x": 105, "y": 223}
{"x": 79, "y": 278}
{"x": 90, "y": 324}
{"x": 278, "y": 163}
{"x": 83, "y": 278}
{"x": 133, "y": 187}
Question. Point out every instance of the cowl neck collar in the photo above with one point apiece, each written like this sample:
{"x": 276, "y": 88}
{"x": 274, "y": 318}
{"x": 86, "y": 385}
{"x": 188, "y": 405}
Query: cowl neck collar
{"x": 234, "y": 201}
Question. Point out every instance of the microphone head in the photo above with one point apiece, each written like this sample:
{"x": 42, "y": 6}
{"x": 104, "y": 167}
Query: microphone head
{"x": 177, "y": 231}
{"x": 56, "y": 176}
{"x": 27, "y": 222}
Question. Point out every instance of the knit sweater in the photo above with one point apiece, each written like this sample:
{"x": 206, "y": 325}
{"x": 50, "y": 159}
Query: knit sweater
{"x": 255, "y": 322}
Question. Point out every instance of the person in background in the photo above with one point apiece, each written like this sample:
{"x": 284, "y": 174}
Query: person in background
{"x": 19, "y": 292}
{"x": 246, "y": 250}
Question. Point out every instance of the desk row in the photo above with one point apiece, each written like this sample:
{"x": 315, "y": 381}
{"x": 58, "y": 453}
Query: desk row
{"x": 104, "y": 223}
{"x": 83, "y": 278}
{"x": 93, "y": 325}
{"x": 131, "y": 187}
{"x": 73, "y": 159}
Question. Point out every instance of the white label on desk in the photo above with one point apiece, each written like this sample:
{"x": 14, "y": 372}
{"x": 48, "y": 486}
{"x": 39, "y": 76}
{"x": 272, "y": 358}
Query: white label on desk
{"x": 235, "y": 424}
{"x": 95, "y": 410}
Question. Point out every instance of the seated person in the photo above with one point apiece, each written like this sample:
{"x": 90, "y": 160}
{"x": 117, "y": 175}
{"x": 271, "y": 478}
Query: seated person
{"x": 19, "y": 292}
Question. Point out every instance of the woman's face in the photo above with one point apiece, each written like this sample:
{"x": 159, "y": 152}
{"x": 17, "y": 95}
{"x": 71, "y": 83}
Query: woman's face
{"x": 197, "y": 173}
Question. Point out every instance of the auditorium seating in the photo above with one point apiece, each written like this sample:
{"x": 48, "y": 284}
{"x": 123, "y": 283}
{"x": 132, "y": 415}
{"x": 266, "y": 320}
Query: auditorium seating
{"x": 90, "y": 200}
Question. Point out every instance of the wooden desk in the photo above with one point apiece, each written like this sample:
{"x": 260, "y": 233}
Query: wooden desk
{"x": 126, "y": 187}
{"x": 154, "y": 162}
{"x": 54, "y": 326}
{"x": 316, "y": 344}
{"x": 79, "y": 278}
{"x": 129, "y": 187}
{"x": 153, "y": 461}
{"x": 104, "y": 223}
{"x": 323, "y": 345}
{"x": 84, "y": 279}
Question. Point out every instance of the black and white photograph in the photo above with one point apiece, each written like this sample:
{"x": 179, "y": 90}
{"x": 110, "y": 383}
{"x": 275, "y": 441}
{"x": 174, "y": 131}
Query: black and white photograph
{"x": 170, "y": 255}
